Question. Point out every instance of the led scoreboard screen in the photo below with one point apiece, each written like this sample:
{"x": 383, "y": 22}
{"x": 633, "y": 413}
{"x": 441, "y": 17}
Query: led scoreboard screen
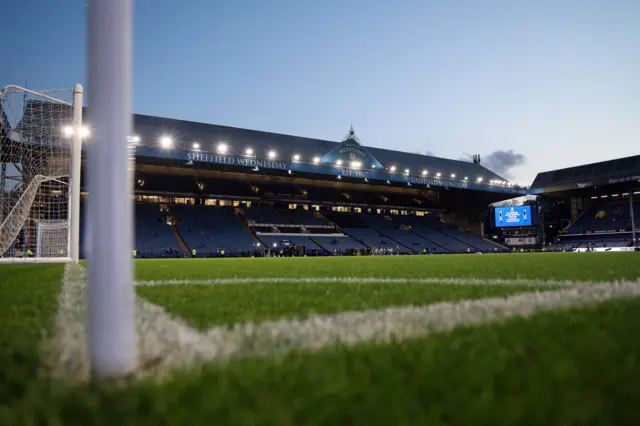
{"x": 513, "y": 216}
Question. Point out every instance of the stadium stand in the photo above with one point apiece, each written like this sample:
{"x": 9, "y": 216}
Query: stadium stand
{"x": 211, "y": 230}
{"x": 154, "y": 235}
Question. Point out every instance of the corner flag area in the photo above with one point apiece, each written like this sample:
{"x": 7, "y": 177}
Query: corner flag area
{"x": 544, "y": 338}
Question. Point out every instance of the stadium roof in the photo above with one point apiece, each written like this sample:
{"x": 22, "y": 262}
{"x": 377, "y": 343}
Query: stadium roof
{"x": 159, "y": 138}
{"x": 602, "y": 173}
{"x": 185, "y": 133}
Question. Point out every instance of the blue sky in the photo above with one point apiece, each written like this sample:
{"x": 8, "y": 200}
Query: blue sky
{"x": 555, "y": 81}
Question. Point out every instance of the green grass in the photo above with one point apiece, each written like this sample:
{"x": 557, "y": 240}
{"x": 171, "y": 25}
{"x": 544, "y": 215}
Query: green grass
{"x": 207, "y": 305}
{"x": 578, "y": 367}
{"x": 28, "y": 302}
{"x": 548, "y": 266}
{"x": 520, "y": 372}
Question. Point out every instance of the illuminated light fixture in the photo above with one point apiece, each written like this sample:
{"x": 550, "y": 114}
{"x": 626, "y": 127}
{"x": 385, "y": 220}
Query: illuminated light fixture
{"x": 406, "y": 171}
{"x": 135, "y": 139}
{"x": 466, "y": 178}
{"x": 289, "y": 172}
{"x": 316, "y": 160}
{"x": 271, "y": 154}
{"x": 424, "y": 173}
{"x": 84, "y": 132}
{"x": 392, "y": 169}
{"x": 438, "y": 174}
{"x": 388, "y": 183}
{"x": 339, "y": 163}
{"x": 248, "y": 151}
{"x": 67, "y": 131}
{"x": 275, "y": 245}
{"x": 256, "y": 169}
{"x": 166, "y": 142}
{"x": 356, "y": 164}
{"x": 296, "y": 157}
{"x": 366, "y": 180}
{"x": 408, "y": 183}
{"x": 222, "y": 148}
{"x": 196, "y": 145}
{"x": 373, "y": 166}
{"x": 339, "y": 177}
{"x": 453, "y": 175}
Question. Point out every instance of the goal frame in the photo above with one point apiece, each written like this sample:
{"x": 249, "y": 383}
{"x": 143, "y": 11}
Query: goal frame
{"x": 75, "y": 146}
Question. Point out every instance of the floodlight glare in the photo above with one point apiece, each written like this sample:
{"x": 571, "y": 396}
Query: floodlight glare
{"x": 67, "y": 130}
{"x": 453, "y": 175}
{"x": 438, "y": 174}
{"x": 339, "y": 163}
{"x": 392, "y": 169}
{"x": 196, "y": 145}
{"x": 406, "y": 171}
{"x": 249, "y": 151}
{"x": 166, "y": 142}
{"x": 271, "y": 154}
{"x": 84, "y": 132}
{"x": 424, "y": 172}
{"x": 222, "y": 148}
{"x": 296, "y": 157}
{"x": 479, "y": 179}
{"x": 135, "y": 139}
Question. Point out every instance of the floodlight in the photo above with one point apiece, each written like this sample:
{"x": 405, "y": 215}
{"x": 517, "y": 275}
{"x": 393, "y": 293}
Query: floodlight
{"x": 271, "y": 154}
{"x": 296, "y": 157}
{"x": 222, "y": 148}
{"x": 196, "y": 145}
{"x": 248, "y": 151}
{"x": 166, "y": 142}
{"x": 392, "y": 169}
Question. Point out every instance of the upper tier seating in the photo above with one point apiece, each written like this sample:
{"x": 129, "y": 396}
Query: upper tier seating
{"x": 600, "y": 217}
{"x": 303, "y": 217}
{"x": 264, "y": 215}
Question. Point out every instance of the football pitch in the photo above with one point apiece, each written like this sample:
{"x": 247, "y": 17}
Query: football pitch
{"x": 500, "y": 339}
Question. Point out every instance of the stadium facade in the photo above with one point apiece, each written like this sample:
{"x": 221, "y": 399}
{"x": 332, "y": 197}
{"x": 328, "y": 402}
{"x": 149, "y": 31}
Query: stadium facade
{"x": 602, "y": 204}
{"x": 231, "y": 191}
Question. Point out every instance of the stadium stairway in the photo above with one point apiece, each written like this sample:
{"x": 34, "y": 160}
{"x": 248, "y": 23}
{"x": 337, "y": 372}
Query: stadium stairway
{"x": 174, "y": 228}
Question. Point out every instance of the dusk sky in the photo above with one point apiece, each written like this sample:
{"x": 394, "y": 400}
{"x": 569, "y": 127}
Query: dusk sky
{"x": 557, "y": 82}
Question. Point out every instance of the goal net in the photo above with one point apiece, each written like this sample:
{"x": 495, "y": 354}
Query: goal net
{"x": 36, "y": 136}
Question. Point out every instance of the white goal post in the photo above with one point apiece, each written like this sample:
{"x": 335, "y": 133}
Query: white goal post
{"x": 40, "y": 154}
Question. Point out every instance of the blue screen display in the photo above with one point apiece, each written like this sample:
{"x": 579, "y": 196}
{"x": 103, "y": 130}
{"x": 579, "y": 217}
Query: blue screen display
{"x": 513, "y": 216}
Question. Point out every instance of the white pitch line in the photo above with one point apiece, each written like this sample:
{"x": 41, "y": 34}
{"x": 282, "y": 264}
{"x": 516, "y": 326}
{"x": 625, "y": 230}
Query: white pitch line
{"x": 166, "y": 343}
{"x": 358, "y": 280}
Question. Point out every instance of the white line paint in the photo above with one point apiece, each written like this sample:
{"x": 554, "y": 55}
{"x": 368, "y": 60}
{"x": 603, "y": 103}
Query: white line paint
{"x": 359, "y": 280}
{"x": 166, "y": 342}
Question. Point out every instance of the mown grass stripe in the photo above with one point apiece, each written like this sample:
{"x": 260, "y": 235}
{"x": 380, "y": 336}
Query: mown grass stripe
{"x": 358, "y": 280}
